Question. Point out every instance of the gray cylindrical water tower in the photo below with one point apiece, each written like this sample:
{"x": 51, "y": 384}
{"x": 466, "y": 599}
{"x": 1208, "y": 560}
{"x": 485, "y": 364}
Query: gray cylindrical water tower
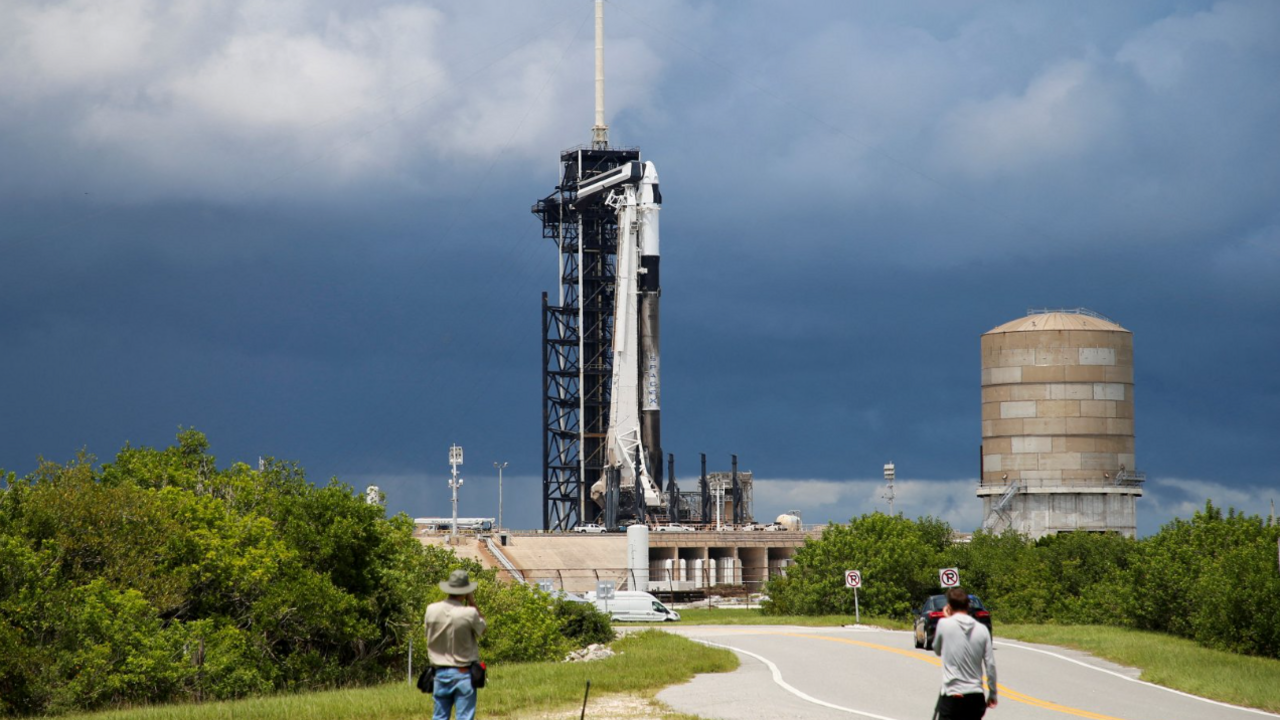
{"x": 1057, "y": 425}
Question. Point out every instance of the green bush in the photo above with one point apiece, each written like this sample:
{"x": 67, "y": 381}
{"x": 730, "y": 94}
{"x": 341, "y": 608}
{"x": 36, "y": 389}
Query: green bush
{"x": 114, "y": 650}
{"x": 522, "y": 626}
{"x": 160, "y": 577}
{"x": 1211, "y": 578}
{"x": 583, "y": 624}
{"x": 892, "y": 553}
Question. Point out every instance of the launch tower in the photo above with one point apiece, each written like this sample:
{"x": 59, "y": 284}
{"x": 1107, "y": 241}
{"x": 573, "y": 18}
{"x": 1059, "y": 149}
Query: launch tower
{"x": 602, "y": 454}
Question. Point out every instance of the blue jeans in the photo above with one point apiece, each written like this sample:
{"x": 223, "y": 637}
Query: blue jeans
{"x": 453, "y": 689}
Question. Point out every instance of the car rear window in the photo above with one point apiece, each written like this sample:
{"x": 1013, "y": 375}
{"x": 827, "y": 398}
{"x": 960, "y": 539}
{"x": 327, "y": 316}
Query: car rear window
{"x": 935, "y": 603}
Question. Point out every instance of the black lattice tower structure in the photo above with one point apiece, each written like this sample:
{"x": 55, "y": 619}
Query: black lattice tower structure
{"x": 577, "y": 337}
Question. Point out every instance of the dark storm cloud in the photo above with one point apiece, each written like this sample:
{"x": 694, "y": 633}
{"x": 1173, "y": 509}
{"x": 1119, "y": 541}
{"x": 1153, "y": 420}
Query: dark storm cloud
{"x": 304, "y": 229}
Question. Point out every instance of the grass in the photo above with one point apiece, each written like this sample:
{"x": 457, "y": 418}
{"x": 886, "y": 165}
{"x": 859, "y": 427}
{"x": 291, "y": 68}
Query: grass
{"x": 1167, "y": 660}
{"x": 743, "y": 616}
{"x": 646, "y": 662}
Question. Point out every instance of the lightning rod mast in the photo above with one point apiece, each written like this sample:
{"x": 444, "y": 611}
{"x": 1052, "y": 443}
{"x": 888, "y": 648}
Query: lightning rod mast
{"x": 600, "y": 131}
{"x": 890, "y": 474}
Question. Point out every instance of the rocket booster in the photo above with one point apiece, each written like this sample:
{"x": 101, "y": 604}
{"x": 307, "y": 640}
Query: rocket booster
{"x": 648, "y": 205}
{"x": 634, "y": 407}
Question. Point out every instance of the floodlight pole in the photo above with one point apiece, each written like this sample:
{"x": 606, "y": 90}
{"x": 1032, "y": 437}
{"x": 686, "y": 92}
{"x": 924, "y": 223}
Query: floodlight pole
{"x": 890, "y": 472}
{"x": 500, "y": 469}
{"x": 455, "y": 482}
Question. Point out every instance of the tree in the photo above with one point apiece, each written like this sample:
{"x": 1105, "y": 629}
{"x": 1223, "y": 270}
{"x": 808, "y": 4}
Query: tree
{"x": 159, "y": 576}
{"x": 892, "y": 553}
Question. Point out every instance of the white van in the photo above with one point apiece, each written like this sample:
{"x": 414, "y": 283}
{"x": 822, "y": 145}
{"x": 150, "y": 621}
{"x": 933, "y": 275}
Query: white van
{"x": 634, "y": 606}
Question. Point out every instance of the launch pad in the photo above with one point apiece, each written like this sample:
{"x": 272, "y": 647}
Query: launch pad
{"x": 602, "y": 458}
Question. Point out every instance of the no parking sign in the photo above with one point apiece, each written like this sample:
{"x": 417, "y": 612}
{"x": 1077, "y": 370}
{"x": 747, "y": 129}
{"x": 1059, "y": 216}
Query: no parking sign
{"x": 949, "y": 577}
{"x": 853, "y": 579}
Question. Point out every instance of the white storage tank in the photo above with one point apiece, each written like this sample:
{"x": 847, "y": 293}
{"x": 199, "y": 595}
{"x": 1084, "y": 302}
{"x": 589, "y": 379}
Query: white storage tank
{"x": 1058, "y": 425}
{"x": 638, "y": 557}
{"x": 789, "y": 521}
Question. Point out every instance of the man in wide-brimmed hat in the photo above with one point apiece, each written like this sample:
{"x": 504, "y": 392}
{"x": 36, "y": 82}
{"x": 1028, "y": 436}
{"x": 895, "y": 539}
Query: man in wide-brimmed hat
{"x": 454, "y": 626}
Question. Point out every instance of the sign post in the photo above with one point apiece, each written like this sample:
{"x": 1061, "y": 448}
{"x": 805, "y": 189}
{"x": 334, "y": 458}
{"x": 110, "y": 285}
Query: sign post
{"x": 949, "y": 577}
{"x": 853, "y": 579}
{"x": 605, "y": 592}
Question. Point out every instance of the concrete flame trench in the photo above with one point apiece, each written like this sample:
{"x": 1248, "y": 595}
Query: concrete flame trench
{"x": 678, "y": 561}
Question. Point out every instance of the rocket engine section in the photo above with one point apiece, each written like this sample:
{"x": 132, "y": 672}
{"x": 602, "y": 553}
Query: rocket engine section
{"x": 634, "y": 438}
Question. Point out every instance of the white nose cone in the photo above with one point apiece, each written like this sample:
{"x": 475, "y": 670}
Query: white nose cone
{"x": 650, "y": 174}
{"x": 650, "y": 203}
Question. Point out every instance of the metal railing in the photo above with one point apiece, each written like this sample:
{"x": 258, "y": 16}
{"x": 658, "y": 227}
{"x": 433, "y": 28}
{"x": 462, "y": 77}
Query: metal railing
{"x": 1006, "y": 497}
{"x": 611, "y": 148}
{"x": 1130, "y": 478}
{"x": 1133, "y": 479}
{"x": 697, "y": 528}
{"x": 750, "y": 577}
{"x": 999, "y": 511}
{"x": 1069, "y": 311}
{"x": 503, "y": 561}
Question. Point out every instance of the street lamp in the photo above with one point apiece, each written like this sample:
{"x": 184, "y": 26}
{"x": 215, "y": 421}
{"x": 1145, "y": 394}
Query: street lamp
{"x": 455, "y": 482}
{"x": 500, "y": 469}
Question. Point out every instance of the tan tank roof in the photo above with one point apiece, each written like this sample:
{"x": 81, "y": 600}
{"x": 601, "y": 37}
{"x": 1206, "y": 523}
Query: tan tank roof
{"x": 1057, "y": 321}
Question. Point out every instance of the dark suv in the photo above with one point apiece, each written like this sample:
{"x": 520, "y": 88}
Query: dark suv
{"x": 930, "y": 613}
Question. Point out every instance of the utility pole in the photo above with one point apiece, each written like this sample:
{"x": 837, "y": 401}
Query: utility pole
{"x": 455, "y": 482}
{"x": 890, "y": 472}
{"x": 501, "y": 467}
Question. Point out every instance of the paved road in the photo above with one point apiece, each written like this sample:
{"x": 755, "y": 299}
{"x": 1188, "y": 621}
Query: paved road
{"x": 798, "y": 672}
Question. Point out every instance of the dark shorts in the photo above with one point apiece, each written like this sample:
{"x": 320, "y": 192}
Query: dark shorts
{"x": 963, "y": 707}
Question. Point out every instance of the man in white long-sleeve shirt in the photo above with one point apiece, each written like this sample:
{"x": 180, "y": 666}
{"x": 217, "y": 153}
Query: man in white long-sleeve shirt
{"x": 965, "y": 648}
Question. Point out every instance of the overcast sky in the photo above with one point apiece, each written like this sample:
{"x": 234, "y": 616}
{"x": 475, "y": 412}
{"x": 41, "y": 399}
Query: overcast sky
{"x": 303, "y": 228}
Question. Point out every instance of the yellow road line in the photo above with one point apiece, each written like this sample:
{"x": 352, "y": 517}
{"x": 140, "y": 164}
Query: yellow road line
{"x": 1005, "y": 691}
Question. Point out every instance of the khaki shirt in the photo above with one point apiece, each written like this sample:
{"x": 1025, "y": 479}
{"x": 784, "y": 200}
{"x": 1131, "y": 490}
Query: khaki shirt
{"x": 453, "y": 633}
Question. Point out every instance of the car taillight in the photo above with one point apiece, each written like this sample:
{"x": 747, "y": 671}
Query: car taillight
{"x": 983, "y": 613}
{"x": 935, "y": 615}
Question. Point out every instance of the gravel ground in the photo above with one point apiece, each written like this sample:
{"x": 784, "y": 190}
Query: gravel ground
{"x": 626, "y": 707}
